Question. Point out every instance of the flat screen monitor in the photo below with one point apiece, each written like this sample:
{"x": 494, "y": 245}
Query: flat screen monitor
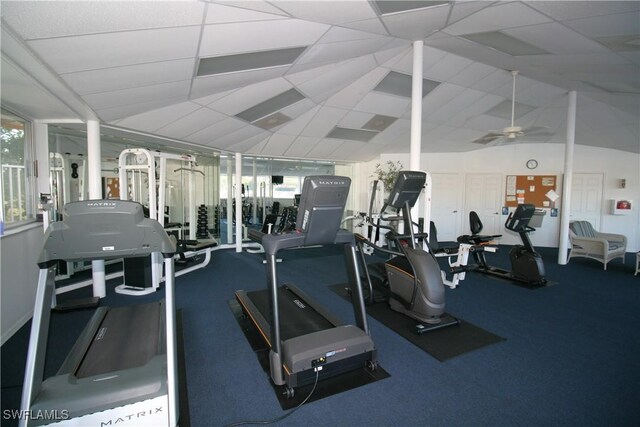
{"x": 277, "y": 179}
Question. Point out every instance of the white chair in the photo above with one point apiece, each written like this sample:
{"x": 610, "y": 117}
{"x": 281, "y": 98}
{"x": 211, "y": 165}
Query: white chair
{"x": 589, "y": 243}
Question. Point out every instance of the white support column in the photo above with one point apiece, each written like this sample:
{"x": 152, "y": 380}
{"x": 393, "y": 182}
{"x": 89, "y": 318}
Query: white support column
{"x": 568, "y": 179}
{"x": 238, "y": 197}
{"x": 416, "y": 116}
{"x": 230, "y": 197}
{"x": 94, "y": 168}
{"x": 254, "y": 211}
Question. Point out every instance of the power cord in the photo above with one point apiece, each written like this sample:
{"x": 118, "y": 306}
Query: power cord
{"x": 282, "y": 417}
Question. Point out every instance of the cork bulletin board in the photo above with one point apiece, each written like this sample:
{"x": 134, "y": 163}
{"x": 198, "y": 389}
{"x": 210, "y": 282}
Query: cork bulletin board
{"x": 539, "y": 190}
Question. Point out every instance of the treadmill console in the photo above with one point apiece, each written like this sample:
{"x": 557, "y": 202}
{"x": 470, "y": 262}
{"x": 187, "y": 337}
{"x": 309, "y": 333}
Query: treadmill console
{"x": 322, "y": 204}
{"x": 519, "y": 220}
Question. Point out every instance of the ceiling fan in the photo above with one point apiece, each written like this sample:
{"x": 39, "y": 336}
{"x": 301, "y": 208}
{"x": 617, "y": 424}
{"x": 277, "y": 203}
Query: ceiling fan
{"x": 512, "y": 132}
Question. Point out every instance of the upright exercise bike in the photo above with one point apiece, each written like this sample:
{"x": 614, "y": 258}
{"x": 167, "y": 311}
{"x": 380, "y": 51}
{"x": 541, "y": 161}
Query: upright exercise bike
{"x": 526, "y": 264}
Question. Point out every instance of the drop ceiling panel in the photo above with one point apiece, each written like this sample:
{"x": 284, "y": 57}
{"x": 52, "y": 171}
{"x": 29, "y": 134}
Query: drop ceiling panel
{"x": 326, "y": 52}
{"x": 335, "y": 79}
{"x": 278, "y": 144}
{"x": 211, "y": 134}
{"x": 331, "y": 12}
{"x": 380, "y": 103}
{"x": 209, "y": 99}
{"x": 114, "y": 113}
{"x": 297, "y": 125}
{"x": 132, "y": 76}
{"x": 471, "y": 74}
{"x": 19, "y": 92}
{"x": 301, "y": 146}
{"x": 237, "y": 137}
{"x": 416, "y": 24}
{"x": 556, "y": 38}
{"x": 481, "y": 105}
{"x": 242, "y": 37}
{"x": 430, "y": 57}
{"x": 324, "y": 148}
{"x": 493, "y": 81}
{"x": 81, "y": 53}
{"x": 44, "y": 19}
{"x": 447, "y": 67}
{"x": 222, "y": 14}
{"x": 370, "y": 25}
{"x": 150, "y": 121}
{"x": 203, "y": 86}
{"x": 323, "y": 121}
{"x": 440, "y": 97}
{"x": 299, "y": 108}
{"x": 355, "y": 119}
{"x": 597, "y": 62}
{"x": 257, "y": 149}
{"x": 352, "y": 94}
{"x": 340, "y": 34}
{"x": 250, "y": 95}
{"x": 461, "y": 10}
{"x": 458, "y": 103}
{"x": 563, "y": 10}
{"x": 194, "y": 121}
{"x": 299, "y": 77}
{"x": 397, "y": 129}
{"x": 258, "y": 5}
{"x": 246, "y": 143}
{"x": 137, "y": 95}
{"x": 391, "y": 50}
{"x": 603, "y": 26}
{"x": 493, "y": 18}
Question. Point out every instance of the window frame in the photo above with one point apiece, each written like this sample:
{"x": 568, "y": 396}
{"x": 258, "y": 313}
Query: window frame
{"x": 29, "y": 175}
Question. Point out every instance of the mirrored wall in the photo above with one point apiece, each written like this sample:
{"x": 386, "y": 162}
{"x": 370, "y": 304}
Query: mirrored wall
{"x": 184, "y": 187}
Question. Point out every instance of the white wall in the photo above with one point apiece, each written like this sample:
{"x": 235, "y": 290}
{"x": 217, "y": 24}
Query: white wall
{"x": 18, "y": 278}
{"x": 511, "y": 160}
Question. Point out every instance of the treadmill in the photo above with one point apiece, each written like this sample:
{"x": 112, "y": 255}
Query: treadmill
{"x": 122, "y": 369}
{"x": 307, "y": 343}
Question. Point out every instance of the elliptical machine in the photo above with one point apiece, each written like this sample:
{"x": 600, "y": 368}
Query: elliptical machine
{"x": 413, "y": 284}
{"x": 526, "y": 264}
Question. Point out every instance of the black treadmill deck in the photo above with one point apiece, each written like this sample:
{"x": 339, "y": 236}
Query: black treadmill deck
{"x": 297, "y": 317}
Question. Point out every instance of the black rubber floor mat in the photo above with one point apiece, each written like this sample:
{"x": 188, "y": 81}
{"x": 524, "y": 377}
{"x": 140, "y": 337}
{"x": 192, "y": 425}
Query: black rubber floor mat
{"x": 442, "y": 344}
{"x": 326, "y": 387}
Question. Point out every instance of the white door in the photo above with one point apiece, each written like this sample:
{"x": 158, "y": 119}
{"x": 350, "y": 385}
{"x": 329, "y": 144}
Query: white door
{"x": 483, "y": 194}
{"x": 445, "y": 201}
{"x": 586, "y": 198}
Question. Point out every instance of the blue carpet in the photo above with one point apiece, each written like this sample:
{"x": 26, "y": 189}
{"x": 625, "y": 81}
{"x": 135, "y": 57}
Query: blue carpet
{"x": 570, "y": 357}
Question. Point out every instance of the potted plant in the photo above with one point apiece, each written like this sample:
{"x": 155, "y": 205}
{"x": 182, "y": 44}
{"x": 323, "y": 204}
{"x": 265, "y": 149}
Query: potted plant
{"x": 387, "y": 174}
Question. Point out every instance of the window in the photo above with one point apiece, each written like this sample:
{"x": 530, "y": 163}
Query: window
{"x": 15, "y": 156}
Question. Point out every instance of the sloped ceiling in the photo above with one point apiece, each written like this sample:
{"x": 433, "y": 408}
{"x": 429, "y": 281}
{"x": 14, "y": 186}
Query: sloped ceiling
{"x": 134, "y": 65}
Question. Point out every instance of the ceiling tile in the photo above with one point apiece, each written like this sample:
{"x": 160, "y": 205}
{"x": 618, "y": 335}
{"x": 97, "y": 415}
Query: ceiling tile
{"x": 380, "y": 103}
{"x": 323, "y": 121}
{"x": 370, "y": 25}
{"x": 250, "y": 95}
{"x": 352, "y": 94}
{"x": 323, "y": 148}
{"x": 201, "y": 118}
{"x": 226, "y": 39}
{"x": 498, "y": 17}
{"x": 355, "y": 119}
{"x": 610, "y": 25}
{"x": 471, "y": 74}
{"x": 203, "y": 86}
{"x": 416, "y": 24}
{"x": 340, "y": 34}
{"x": 209, "y": 99}
{"x": 445, "y": 68}
{"x": 343, "y": 50}
{"x": 278, "y": 144}
{"x": 131, "y": 76}
{"x": 210, "y": 135}
{"x": 100, "y": 101}
{"x": 82, "y": 53}
{"x": 556, "y": 38}
{"x": 331, "y": 12}
{"x": 297, "y": 125}
{"x": 337, "y": 78}
{"x": 222, "y": 14}
{"x": 236, "y": 137}
{"x": 45, "y": 19}
{"x": 246, "y": 142}
{"x": 301, "y": 146}
{"x": 563, "y": 10}
{"x": 152, "y": 120}
{"x": 113, "y": 113}
{"x": 258, "y": 5}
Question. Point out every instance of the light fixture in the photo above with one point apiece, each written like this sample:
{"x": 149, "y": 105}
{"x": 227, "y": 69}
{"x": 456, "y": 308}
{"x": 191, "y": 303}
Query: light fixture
{"x": 400, "y": 84}
{"x": 505, "y": 43}
{"x": 248, "y": 61}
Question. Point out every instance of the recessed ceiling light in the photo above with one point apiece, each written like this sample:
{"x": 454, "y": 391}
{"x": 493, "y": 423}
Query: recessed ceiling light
{"x": 271, "y": 105}
{"x": 505, "y": 43}
{"x": 379, "y": 122}
{"x": 351, "y": 134}
{"x": 400, "y": 84}
{"x": 248, "y": 61}
{"x": 387, "y": 7}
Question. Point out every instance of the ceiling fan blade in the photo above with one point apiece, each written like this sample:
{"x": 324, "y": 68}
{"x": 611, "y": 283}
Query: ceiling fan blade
{"x": 487, "y": 139}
